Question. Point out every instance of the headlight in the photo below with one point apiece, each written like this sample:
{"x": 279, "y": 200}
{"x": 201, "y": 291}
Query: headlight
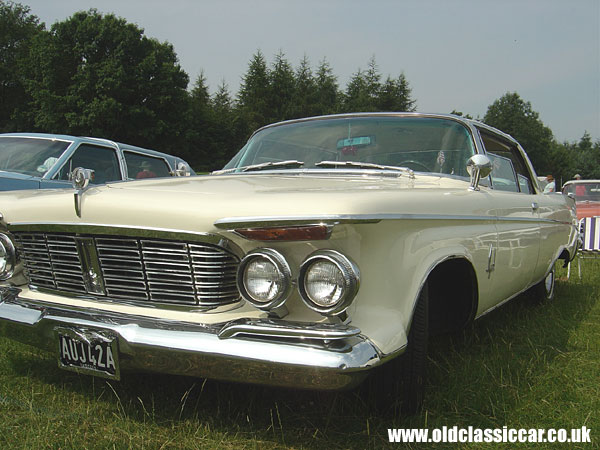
{"x": 8, "y": 257}
{"x": 328, "y": 282}
{"x": 264, "y": 278}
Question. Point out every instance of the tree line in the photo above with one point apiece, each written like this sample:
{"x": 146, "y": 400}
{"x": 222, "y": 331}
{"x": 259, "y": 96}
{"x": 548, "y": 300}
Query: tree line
{"x": 98, "y": 75}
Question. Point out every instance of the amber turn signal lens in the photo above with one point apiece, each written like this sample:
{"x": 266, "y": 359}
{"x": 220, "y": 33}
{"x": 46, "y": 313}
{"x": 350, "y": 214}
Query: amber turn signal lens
{"x": 295, "y": 233}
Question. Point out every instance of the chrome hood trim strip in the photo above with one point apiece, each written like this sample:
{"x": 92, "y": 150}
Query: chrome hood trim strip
{"x": 230, "y": 223}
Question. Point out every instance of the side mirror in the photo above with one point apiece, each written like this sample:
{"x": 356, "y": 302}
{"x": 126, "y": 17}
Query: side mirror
{"x": 182, "y": 170}
{"x": 478, "y": 166}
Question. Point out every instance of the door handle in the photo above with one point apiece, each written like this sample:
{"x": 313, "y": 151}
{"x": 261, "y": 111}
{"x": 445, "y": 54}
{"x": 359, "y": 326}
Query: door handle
{"x": 535, "y": 206}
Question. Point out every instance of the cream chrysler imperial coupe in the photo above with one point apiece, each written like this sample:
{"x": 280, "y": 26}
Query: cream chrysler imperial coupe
{"x": 327, "y": 250}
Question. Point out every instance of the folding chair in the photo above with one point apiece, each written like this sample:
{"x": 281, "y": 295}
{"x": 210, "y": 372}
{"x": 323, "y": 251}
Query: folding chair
{"x": 589, "y": 229}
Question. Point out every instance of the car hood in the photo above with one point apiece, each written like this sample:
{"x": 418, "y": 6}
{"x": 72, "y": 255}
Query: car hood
{"x": 196, "y": 203}
{"x": 17, "y": 176}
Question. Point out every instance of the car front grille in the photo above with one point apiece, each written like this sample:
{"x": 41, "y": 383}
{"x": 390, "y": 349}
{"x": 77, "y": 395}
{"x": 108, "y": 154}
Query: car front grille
{"x": 130, "y": 268}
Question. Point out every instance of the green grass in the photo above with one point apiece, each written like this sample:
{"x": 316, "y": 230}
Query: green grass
{"x": 525, "y": 365}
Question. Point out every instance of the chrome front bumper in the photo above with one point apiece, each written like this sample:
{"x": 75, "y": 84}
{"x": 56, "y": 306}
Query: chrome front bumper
{"x": 317, "y": 356}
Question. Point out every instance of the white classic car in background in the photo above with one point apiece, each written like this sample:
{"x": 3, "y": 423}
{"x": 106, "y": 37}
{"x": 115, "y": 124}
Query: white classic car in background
{"x": 327, "y": 247}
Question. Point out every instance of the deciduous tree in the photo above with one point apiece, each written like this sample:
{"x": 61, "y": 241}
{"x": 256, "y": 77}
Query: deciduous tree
{"x": 98, "y": 75}
{"x": 17, "y": 29}
{"x": 511, "y": 114}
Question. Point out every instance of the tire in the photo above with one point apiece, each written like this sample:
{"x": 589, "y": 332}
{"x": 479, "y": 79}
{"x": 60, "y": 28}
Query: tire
{"x": 401, "y": 381}
{"x": 544, "y": 290}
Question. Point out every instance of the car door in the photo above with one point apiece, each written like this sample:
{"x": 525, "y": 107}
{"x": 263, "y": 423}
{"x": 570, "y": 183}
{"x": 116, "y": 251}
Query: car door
{"x": 516, "y": 207}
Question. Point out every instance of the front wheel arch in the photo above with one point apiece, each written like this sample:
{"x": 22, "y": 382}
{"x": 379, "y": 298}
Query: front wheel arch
{"x": 453, "y": 295}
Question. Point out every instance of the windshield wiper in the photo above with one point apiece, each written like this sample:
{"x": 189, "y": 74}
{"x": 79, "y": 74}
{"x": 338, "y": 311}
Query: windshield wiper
{"x": 261, "y": 166}
{"x": 365, "y": 165}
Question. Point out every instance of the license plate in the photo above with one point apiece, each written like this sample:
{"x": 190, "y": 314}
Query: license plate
{"x": 89, "y": 352}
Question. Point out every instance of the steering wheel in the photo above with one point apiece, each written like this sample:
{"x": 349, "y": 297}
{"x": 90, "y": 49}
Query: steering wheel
{"x": 415, "y": 165}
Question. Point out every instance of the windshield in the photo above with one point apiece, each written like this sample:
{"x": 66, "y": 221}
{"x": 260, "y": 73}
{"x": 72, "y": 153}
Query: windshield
{"x": 30, "y": 156}
{"x": 419, "y": 143}
{"x": 584, "y": 191}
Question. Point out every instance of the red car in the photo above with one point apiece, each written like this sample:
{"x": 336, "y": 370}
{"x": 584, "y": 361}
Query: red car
{"x": 587, "y": 196}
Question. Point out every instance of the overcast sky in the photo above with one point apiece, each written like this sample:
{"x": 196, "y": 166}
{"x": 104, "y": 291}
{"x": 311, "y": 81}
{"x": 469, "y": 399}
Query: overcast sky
{"x": 456, "y": 54}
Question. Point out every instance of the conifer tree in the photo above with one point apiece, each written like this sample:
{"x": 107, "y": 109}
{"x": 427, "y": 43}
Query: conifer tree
{"x": 327, "y": 90}
{"x": 304, "y": 101}
{"x": 282, "y": 85}
{"x": 253, "y": 108}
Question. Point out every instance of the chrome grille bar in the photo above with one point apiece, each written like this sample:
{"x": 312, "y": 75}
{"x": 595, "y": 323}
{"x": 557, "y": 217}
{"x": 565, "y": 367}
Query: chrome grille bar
{"x": 146, "y": 270}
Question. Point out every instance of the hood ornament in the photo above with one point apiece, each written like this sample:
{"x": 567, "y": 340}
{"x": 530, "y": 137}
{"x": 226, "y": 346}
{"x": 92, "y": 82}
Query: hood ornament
{"x": 81, "y": 179}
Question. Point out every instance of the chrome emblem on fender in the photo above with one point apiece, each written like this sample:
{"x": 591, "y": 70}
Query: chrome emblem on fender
{"x": 81, "y": 179}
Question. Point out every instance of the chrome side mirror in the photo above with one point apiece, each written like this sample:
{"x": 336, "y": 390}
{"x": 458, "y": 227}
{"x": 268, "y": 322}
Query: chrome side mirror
{"x": 182, "y": 170}
{"x": 478, "y": 166}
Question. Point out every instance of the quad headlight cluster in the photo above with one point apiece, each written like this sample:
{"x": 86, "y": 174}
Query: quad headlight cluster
{"x": 327, "y": 280}
{"x": 8, "y": 257}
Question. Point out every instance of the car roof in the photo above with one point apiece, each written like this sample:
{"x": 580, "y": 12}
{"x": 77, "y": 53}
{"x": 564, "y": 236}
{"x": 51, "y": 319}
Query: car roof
{"x": 469, "y": 122}
{"x": 102, "y": 141}
{"x": 581, "y": 182}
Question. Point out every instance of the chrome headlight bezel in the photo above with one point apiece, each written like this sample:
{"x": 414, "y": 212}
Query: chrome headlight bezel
{"x": 10, "y": 254}
{"x": 349, "y": 272}
{"x": 283, "y": 269}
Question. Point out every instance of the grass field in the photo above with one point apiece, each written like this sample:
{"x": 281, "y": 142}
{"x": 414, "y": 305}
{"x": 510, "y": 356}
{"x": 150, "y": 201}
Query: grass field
{"x": 525, "y": 365}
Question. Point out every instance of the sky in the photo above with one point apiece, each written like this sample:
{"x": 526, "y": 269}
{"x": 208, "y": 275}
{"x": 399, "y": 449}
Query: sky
{"x": 456, "y": 54}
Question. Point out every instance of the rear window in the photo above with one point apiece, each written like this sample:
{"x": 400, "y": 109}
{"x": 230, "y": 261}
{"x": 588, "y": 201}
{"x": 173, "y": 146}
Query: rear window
{"x": 144, "y": 166}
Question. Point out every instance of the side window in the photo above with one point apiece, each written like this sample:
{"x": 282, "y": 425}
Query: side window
{"x": 145, "y": 166}
{"x": 102, "y": 160}
{"x": 525, "y": 185}
{"x": 503, "y": 174}
{"x": 496, "y": 146}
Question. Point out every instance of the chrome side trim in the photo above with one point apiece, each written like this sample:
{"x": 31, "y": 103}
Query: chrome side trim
{"x": 231, "y": 223}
